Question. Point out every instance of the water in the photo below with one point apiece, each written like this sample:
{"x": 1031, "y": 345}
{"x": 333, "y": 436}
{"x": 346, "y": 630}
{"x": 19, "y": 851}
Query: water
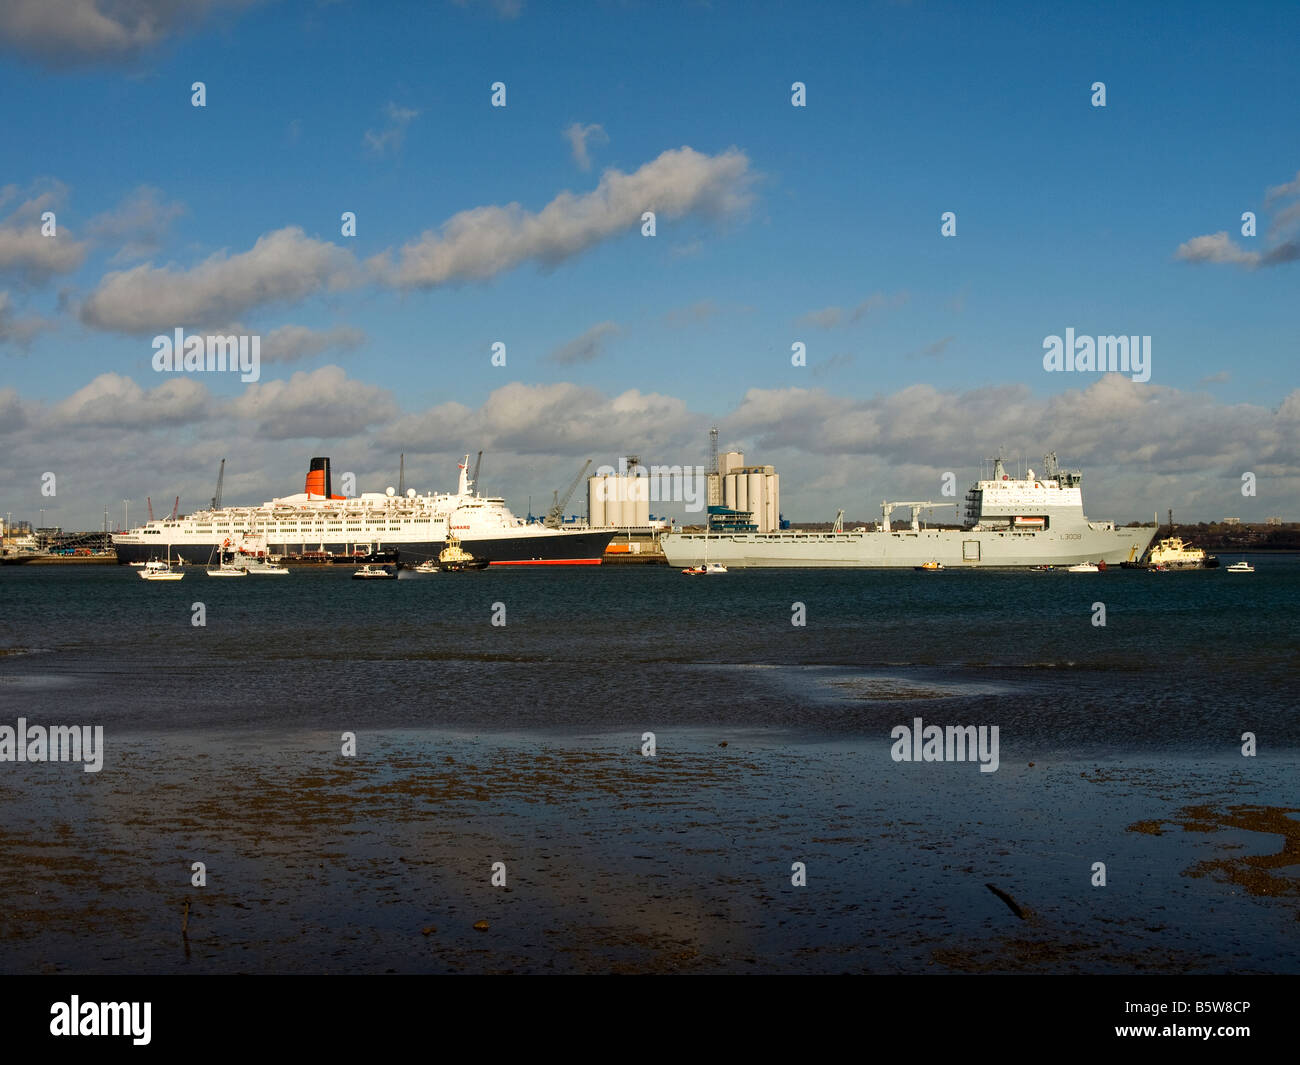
{"x": 522, "y": 742}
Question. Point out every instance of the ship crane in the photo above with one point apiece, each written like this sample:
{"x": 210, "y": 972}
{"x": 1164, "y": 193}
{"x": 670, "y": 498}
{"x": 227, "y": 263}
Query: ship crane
{"x": 555, "y": 516}
{"x": 887, "y": 509}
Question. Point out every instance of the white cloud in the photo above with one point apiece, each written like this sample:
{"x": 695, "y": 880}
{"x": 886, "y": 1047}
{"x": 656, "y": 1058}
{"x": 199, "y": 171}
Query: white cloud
{"x": 1215, "y": 248}
{"x": 283, "y": 266}
{"x": 392, "y": 135}
{"x": 139, "y": 223}
{"x": 830, "y": 317}
{"x": 578, "y": 135}
{"x": 322, "y": 403}
{"x": 19, "y": 331}
{"x": 482, "y": 242}
{"x": 114, "y": 401}
{"x": 25, "y": 252}
{"x": 1283, "y": 248}
{"x": 71, "y": 33}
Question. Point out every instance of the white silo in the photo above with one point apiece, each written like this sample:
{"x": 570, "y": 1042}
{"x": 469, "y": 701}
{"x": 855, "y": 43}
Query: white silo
{"x": 742, "y": 492}
{"x": 769, "y": 501}
{"x": 756, "y": 497}
{"x": 641, "y": 489}
{"x": 729, "y": 491}
{"x": 595, "y": 503}
{"x": 776, "y": 500}
{"x": 613, "y": 501}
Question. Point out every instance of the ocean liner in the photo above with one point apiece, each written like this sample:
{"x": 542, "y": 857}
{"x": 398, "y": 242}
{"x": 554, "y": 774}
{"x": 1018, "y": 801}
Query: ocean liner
{"x": 318, "y": 523}
{"x": 1009, "y": 521}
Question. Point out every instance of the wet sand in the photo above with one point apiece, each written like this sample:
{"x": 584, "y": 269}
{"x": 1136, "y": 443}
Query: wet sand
{"x": 620, "y": 863}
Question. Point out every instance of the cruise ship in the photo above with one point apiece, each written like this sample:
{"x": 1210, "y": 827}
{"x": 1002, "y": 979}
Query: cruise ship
{"x": 1035, "y": 520}
{"x": 317, "y": 523}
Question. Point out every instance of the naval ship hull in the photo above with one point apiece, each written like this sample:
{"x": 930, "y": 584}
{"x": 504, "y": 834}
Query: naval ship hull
{"x": 905, "y": 548}
{"x": 567, "y": 549}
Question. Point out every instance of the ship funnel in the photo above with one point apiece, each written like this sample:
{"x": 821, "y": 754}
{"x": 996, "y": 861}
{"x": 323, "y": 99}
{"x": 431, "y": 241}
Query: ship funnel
{"x": 318, "y": 478}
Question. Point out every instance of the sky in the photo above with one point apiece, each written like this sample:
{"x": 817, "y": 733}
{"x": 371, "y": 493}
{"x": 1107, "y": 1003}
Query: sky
{"x": 776, "y": 225}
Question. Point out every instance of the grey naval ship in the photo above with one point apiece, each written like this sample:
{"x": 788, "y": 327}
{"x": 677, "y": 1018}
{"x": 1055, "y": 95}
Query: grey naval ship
{"x": 1036, "y": 520}
{"x": 316, "y": 523}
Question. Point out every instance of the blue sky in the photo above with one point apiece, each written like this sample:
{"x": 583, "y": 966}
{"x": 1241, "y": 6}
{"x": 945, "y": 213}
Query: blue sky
{"x": 1068, "y": 215}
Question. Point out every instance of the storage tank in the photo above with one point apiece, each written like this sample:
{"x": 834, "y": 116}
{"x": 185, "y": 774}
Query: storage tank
{"x": 776, "y": 501}
{"x": 729, "y": 491}
{"x": 595, "y": 503}
{"x": 769, "y": 502}
{"x": 756, "y": 497}
{"x": 742, "y": 492}
{"x": 641, "y": 488}
{"x": 613, "y": 502}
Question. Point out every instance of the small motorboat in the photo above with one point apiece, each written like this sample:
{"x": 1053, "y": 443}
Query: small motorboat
{"x": 160, "y": 571}
{"x": 375, "y": 573}
{"x": 929, "y": 567}
{"x": 429, "y": 566}
{"x": 709, "y": 569}
{"x": 264, "y": 567}
{"x": 1083, "y": 567}
{"x": 1241, "y": 567}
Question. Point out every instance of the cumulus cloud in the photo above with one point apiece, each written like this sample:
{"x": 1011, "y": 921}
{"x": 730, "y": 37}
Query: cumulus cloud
{"x": 114, "y": 401}
{"x": 322, "y": 403}
{"x": 139, "y": 223}
{"x": 1215, "y": 248}
{"x": 830, "y": 317}
{"x": 483, "y": 242}
{"x": 16, "y": 330}
{"x": 561, "y": 419}
{"x": 578, "y": 135}
{"x": 1283, "y": 247}
{"x": 72, "y": 33}
{"x": 290, "y": 343}
{"x": 585, "y": 348}
{"x": 394, "y": 132}
{"x": 283, "y": 266}
{"x": 26, "y": 254}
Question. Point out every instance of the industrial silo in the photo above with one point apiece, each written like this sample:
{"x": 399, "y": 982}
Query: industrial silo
{"x": 613, "y": 501}
{"x": 639, "y": 492}
{"x": 729, "y": 491}
{"x": 769, "y": 502}
{"x": 595, "y": 502}
{"x": 756, "y": 497}
{"x": 775, "y": 496}
{"x": 742, "y": 492}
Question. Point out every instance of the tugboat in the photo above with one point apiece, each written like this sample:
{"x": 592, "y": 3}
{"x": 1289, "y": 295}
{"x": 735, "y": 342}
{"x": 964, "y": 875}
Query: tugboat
{"x": 1173, "y": 552}
{"x": 455, "y": 559}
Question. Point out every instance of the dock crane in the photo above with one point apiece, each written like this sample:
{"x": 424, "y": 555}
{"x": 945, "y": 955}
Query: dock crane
{"x": 888, "y": 508}
{"x": 555, "y": 516}
{"x": 221, "y": 476}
